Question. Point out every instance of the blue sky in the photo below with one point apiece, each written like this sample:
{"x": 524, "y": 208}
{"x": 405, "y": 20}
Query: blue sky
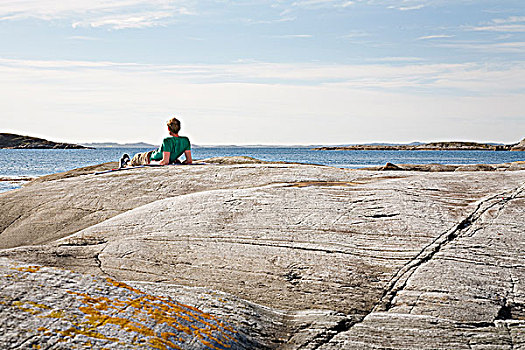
{"x": 264, "y": 72}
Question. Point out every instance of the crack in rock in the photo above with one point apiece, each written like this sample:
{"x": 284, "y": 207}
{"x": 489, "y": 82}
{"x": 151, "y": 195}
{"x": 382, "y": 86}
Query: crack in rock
{"x": 11, "y": 223}
{"x": 505, "y": 312}
{"x": 378, "y": 216}
{"x": 83, "y": 242}
{"x": 99, "y": 263}
{"x": 325, "y": 337}
{"x": 400, "y": 280}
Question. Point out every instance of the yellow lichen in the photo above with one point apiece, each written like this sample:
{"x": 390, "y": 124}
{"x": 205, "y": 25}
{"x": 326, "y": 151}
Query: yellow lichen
{"x": 122, "y": 285}
{"x": 137, "y": 313}
{"x": 86, "y": 332}
{"x": 55, "y": 314}
{"x": 40, "y": 306}
{"x": 27, "y": 268}
{"x": 22, "y": 306}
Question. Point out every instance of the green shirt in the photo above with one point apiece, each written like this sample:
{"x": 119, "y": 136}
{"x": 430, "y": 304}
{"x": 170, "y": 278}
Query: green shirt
{"x": 175, "y": 145}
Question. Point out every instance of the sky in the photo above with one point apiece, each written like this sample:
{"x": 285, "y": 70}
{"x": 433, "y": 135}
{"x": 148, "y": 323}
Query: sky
{"x": 264, "y": 72}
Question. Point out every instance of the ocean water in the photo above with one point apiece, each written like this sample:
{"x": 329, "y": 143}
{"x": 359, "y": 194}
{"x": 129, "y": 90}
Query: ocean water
{"x": 26, "y": 163}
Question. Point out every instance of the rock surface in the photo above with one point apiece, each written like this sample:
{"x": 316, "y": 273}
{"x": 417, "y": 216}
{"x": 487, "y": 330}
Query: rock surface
{"x": 45, "y": 307}
{"x": 287, "y": 255}
{"x": 520, "y": 146}
{"x": 513, "y": 166}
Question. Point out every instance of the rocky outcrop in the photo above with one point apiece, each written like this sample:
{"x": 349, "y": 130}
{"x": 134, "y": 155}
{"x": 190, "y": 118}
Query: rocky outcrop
{"x": 19, "y": 141}
{"x": 44, "y": 307}
{"x": 520, "y": 146}
{"x": 513, "y": 166}
{"x": 278, "y": 255}
{"x": 432, "y": 146}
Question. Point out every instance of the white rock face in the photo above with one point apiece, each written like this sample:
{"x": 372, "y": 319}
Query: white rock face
{"x": 291, "y": 256}
{"x": 520, "y": 146}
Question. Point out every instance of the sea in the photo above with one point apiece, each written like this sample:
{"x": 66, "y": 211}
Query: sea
{"x": 18, "y": 165}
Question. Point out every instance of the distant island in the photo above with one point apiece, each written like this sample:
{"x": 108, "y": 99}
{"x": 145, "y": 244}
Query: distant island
{"x": 119, "y": 145}
{"x": 14, "y": 141}
{"x": 432, "y": 146}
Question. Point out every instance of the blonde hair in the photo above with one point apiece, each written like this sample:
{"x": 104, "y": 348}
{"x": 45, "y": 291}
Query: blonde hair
{"x": 174, "y": 125}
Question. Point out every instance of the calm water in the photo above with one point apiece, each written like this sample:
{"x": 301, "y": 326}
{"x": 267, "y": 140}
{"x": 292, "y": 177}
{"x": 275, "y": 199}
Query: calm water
{"x": 31, "y": 163}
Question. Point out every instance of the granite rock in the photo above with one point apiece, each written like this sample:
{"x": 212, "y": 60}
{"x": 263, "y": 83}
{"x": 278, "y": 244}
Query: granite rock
{"x": 288, "y": 255}
{"x": 520, "y": 146}
{"x": 512, "y": 166}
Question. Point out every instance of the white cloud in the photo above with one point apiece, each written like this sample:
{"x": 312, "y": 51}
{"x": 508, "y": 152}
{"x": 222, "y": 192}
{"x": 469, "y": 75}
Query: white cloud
{"x": 355, "y": 34}
{"x": 292, "y": 36}
{"x": 346, "y": 4}
{"x": 397, "y": 59}
{"x": 512, "y": 28}
{"x": 115, "y": 14}
{"x": 84, "y": 38}
{"x": 512, "y": 19}
{"x": 440, "y": 36}
{"x": 120, "y": 14}
{"x": 243, "y": 103}
{"x": 408, "y": 8}
{"x": 513, "y": 24}
{"x": 316, "y": 4}
{"x": 270, "y": 21}
{"x": 130, "y": 20}
{"x": 505, "y": 47}
{"x": 482, "y": 78}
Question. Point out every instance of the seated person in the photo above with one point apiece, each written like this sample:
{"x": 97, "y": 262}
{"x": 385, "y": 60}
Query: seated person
{"x": 168, "y": 153}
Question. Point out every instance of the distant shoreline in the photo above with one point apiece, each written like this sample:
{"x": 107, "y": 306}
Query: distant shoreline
{"x": 119, "y": 145}
{"x": 433, "y": 146}
{"x": 13, "y": 141}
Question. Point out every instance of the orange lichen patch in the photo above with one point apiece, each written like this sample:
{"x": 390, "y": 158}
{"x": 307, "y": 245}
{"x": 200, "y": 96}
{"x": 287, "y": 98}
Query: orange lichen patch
{"x": 324, "y": 183}
{"x": 197, "y": 315}
{"x": 142, "y": 314}
{"x": 55, "y": 314}
{"x": 101, "y": 306}
{"x": 40, "y": 306}
{"x": 210, "y": 345}
{"x": 157, "y": 343}
{"x": 26, "y": 308}
{"x": 157, "y": 322}
{"x": 122, "y": 285}
{"x": 30, "y": 307}
{"x": 27, "y": 268}
{"x": 86, "y": 332}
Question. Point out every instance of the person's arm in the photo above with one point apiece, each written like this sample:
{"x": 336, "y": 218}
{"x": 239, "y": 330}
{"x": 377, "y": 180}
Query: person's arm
{"x": 165, "y": 158}
{"x": 187, "y": 154}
